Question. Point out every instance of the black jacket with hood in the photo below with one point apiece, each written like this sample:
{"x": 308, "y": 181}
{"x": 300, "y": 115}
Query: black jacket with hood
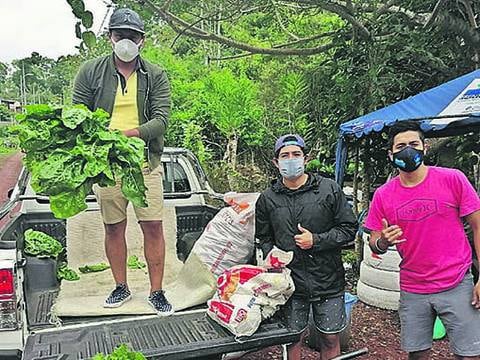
{"x": 320, "y": 207}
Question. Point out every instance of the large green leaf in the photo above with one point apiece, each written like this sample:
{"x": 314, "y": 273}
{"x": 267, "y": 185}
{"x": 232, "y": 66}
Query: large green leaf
{"x": 129, "y": 149}
{"x": 98, "y": 121}
{"x": 72, "y": 117}
{"x": 133, "y": 186}
{"x": 95, "y": 155}
{"x": 32, "y": 138}
{"x": 62, "y": 171}
{"x": 67, "y": 204}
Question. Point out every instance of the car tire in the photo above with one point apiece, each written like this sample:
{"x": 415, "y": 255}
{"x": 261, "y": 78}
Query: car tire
{"x": 384, "y": 299}
{"x": 390, "y": 261}
{"x": 380, "y": 279}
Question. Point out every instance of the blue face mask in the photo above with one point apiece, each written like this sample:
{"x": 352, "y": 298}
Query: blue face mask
{"x": 291, "y": 169}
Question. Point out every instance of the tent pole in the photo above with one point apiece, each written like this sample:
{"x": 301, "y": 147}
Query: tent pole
{"x": 362, "y": 155}
{"x": 340, "y": 161}
{"x": 355, "y": 180}
{"x": 365, "y": 186}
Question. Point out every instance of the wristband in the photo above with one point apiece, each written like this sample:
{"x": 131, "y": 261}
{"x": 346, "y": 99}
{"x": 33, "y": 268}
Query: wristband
{"x": 377, "y": 248}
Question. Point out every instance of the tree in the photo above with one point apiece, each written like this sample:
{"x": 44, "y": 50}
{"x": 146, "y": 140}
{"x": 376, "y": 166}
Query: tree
{"x": 232, "y": 107}
{"x": 3, "y": 72}
{"x": 359, "y": 18}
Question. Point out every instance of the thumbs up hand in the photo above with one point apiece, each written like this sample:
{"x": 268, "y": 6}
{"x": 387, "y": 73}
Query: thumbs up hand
{"x": 304, "y": 240}
{"x": 390, "y": 235}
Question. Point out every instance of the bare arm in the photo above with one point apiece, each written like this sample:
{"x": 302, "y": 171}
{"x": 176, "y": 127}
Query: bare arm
{"x": 474, "y": 221}
{"x": 132, "y": 133}
{"x": 380, "y": 241}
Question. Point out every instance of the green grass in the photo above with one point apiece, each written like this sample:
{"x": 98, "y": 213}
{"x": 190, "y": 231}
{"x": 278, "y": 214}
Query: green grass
{"x": 4, "y": 150}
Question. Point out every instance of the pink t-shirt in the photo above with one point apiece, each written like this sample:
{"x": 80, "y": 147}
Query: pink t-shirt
{"x": 436, "y": 253}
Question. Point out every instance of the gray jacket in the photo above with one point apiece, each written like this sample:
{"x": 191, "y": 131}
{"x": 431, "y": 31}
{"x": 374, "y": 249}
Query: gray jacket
{"x": 96, "y": 86}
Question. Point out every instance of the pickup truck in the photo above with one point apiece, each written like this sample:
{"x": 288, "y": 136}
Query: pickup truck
{"x": 26, "y": 295}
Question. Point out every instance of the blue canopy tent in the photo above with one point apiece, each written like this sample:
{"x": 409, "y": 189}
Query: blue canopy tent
{"x": 448, "y": 109}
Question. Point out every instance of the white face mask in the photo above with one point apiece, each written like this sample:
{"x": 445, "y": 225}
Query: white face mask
{"x": 126, "y": 50}
{"x": 291, "y": 169}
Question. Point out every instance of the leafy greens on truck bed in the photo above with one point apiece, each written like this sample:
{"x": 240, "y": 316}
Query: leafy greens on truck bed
{"x": 122, "y": 352}
{"x": 134, "y": 262}
{"x": 66, "y": 273}
{"x": 69, "y": 149}
{"x": 39, "y": 244}
{"x": 93, "y": 268}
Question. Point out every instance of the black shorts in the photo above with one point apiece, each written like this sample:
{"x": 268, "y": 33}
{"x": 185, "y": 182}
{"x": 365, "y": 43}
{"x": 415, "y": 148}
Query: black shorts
{"x": 328, "y": 314}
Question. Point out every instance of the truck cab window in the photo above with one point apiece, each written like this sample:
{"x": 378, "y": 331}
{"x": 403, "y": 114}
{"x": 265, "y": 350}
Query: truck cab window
{"x": 174, "y": 178}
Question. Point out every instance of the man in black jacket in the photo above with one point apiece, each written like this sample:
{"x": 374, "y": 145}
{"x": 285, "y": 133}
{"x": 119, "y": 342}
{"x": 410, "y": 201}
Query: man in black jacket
{"x": 309, "y": 215}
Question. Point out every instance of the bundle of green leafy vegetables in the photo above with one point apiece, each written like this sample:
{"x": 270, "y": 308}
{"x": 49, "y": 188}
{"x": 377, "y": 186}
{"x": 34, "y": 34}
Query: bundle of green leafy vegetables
{"x": 66, "y": 273}
{"x": 93, "y": 268}
{"x": 40, "y": 244}
{"x": 71, "y": 148}
{"x": 121, "y": 353}
{"x": 133, "y": 262}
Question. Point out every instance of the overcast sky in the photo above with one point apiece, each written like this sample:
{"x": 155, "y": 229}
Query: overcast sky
{"x": 44, "y": 26}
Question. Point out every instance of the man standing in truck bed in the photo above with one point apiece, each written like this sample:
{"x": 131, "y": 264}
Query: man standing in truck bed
{"x": 309, "y": 215}
{"x": 137, "y": 95}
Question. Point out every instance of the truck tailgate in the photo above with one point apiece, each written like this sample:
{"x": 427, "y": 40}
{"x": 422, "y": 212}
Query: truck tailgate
{"x": 181, "y": 336}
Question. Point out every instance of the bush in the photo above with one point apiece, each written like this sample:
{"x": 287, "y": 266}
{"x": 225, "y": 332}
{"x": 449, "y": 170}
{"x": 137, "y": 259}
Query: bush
{"x": 327, "y": 170}
{"x": 246, "y": 178}
{"x": 350, "y": 257}
{"x": 5, "y": 113}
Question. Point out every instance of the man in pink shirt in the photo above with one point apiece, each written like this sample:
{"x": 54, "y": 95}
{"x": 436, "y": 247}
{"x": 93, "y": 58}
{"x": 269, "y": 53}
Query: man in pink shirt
{"x": 420, "y": 211}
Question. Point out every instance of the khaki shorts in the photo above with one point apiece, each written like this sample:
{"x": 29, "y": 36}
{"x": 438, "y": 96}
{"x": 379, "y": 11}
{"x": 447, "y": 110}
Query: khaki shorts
{"x": 113, "y": 204}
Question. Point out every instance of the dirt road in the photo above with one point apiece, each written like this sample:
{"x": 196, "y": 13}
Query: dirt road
{"x": 10, "y": 166}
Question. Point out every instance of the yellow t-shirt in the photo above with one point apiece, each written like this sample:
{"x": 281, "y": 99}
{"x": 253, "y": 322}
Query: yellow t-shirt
{"x": 125, "y": 111}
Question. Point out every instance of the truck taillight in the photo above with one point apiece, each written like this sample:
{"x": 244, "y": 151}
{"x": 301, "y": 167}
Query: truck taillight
{"x": 8, "y": 301}
{"x": 7, "y": 284}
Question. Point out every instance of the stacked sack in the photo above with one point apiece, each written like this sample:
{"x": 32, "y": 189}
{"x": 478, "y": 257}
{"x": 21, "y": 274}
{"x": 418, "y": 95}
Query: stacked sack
{"x": 228, "y": 239}
{"x": 246, "y": 294}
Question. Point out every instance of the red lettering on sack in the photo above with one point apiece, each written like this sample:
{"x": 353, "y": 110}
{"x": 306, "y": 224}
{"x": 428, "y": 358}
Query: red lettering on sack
{"x": 260, "y": 289}
{"x": 222, "y": 310}
{"x": 241, "y": 315}
{"x": 220, "y": 256}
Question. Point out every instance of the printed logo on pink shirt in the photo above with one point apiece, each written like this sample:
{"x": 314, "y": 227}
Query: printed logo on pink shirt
{"x": 417, "y": 210}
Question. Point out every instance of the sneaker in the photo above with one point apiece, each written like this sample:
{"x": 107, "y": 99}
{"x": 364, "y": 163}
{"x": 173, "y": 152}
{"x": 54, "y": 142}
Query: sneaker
{"x": 118, "y": 297}
{"x": 160, "y": 303}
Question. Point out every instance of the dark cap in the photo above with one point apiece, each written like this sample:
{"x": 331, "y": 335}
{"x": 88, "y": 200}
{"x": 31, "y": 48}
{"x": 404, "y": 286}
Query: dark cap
{"x": 289, "y": 139}
{"x": 124, "y": 18}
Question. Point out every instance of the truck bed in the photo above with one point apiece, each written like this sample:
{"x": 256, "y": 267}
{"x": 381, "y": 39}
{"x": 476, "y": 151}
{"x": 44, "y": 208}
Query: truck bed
{"x": 189, "y": 334}
{"x": 181, "y": 336}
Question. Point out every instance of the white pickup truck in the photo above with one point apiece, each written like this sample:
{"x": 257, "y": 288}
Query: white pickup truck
{"x": 27, "y": 293}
